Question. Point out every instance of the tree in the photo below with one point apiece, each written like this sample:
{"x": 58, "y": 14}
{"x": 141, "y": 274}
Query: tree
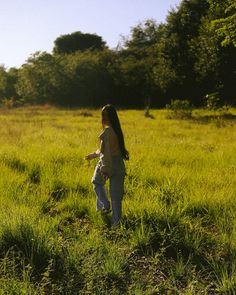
{"x": 8, "y": 80}
{"x": 180, "y": 59}
{"x": 90, "y": 81}
{"x": 214, "y": 64}
{"x": 3, "y": 82}
{"x": 137, "y": 61}
{"x": 225, "y": 24}
{"x": 78, "y": 41}
{"x": 205, "y": 50}
{"x": 182, "y": 26}
{"x": 42, "y": 79}
{"x": 143, "y": 35}
{"x": 12, "y": 78}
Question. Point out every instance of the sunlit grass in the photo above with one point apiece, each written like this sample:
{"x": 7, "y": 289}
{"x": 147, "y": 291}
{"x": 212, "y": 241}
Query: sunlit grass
{"x": 178, "y": 232}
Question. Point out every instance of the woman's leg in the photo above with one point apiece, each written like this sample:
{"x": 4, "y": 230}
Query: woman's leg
{"x": 98, "y": 182}
{"x": 102, "y": 202}
{"x": 116, "y": 192}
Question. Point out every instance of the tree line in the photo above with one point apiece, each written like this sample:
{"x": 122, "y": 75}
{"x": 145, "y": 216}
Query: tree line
{"x": 191, "y": 55}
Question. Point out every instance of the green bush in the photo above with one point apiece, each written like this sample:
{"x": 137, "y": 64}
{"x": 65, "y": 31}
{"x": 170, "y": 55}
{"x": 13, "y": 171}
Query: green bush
{"x": 212, "y": 101}
{"x": 180, "y": 109}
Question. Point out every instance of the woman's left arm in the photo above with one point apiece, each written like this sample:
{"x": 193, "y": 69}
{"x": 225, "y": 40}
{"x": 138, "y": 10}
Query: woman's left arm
{"x": 106, "y": 158}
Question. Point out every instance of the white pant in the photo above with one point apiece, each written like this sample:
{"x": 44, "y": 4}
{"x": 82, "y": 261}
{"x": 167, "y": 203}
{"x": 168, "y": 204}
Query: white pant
{"x": 116, "y": 186}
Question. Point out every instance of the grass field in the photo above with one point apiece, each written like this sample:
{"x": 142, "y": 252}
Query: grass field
{"x": 178, "y": 232}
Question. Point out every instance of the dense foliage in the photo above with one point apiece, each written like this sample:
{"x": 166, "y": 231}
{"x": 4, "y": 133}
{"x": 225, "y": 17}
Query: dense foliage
{"x": 189, "y": 56}
{"x": 77, "y": 41}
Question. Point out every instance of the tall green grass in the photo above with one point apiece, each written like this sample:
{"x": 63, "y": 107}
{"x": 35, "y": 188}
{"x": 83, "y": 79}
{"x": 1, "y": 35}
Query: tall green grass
{"x": 178, "y": 231}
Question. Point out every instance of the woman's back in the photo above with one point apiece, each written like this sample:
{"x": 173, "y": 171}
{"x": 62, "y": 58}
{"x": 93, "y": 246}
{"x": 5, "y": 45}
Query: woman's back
{"x": 110, "y": 136}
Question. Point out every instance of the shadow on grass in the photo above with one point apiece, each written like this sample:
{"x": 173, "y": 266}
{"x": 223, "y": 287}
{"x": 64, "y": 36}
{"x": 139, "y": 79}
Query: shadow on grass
{"x": 85, "y": 114}
{"x": 33, "y": 170}
{"x": 172, "y": 236}
{"x": 59, "y": 190}
{"x": 14, "y": 163}
{"x": 149, "y": 116}
{"x": 23, "y": 239}
{"x": 214, "y": 117}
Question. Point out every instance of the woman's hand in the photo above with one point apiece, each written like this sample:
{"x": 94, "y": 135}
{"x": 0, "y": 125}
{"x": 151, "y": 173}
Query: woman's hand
{"x": 91, "y": 156}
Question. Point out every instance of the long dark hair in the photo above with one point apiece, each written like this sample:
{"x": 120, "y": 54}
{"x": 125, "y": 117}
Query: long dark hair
{"x": 115, "y": 123}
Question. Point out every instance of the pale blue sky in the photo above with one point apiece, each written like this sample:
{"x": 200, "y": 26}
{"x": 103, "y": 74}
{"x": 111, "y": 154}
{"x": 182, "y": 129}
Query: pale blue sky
{"x": 27, "y": 26}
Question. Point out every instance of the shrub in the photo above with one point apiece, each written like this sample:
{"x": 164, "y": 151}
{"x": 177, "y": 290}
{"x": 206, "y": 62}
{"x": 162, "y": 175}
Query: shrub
{"x": 212, "y": 101}
{"x": 180, "y": 109}
{"x": 8, "y": 103}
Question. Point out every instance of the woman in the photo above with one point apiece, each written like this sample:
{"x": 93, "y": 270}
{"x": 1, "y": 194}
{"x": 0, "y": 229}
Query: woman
{"x": 111, "y": 165}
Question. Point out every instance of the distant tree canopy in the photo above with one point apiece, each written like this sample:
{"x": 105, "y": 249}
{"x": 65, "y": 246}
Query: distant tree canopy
{"x": 8, "y": 80}
{"x": 143, "y": 35}
{"x": 190, "y": 55}
{"x": 3, "y": 81}
{"x": 78, "y": 41}
{"x": 225, "y": 22}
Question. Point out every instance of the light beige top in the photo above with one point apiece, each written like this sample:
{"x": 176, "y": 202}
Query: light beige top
{"x": 109, "y": 147}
